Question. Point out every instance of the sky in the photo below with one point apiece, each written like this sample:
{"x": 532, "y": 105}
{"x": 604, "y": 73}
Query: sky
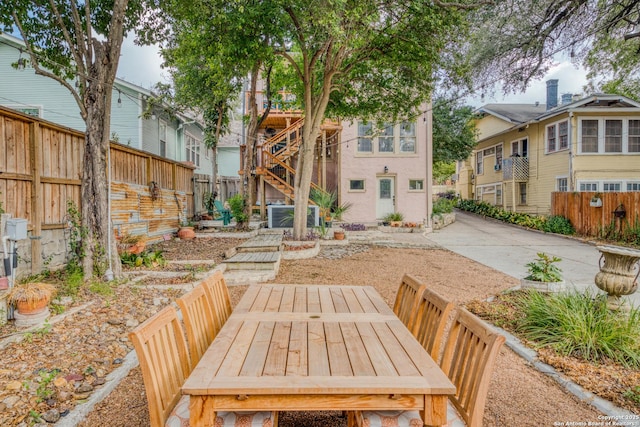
{"x": 141, "y": 65}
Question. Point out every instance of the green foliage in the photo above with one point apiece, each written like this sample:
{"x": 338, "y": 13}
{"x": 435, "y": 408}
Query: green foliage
{"x": 148, "y": 258}
{"x": 633, "y": 394}
{"x": 394, "y": 216}
{"x": 77, "y": 233}
{"x": 237, "y": 205}
{"x": 208, "y": 201}
{"x": 324, "y": 200}
{"x": 442, "y": 171}
{"x": 543, "y": 269}
{"x": 1, "y": 208}
{"x": 46, "y": 377}
{"x": 101, "y": 288}
{"x": 489, "y": 210}
{"x": 559, "y": 225}
{"x": 454, "y": 133}
{"x": 625, "y": 233}
{"x": 442, "y": 206}
{"x": 581, "y": 325}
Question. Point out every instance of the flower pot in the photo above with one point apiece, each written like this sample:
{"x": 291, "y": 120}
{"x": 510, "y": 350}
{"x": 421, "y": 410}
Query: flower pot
{"x": 32, "y": 307}
{"x": 396, "y": 223}
{"x": 547, "y": 287}
{"x": 186, "y": 233}
{"x": 338, "y": 235}
{"x": 595, "y": 202}
{"x": 4, "y": 283}
{"x": 618, "y": 273}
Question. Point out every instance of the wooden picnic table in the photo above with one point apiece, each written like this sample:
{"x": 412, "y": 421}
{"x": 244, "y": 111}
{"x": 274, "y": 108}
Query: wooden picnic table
{"x": 315, "y": 347}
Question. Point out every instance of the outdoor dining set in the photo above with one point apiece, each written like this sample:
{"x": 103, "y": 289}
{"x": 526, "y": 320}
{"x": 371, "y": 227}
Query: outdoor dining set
{"x": 315, "y": 348}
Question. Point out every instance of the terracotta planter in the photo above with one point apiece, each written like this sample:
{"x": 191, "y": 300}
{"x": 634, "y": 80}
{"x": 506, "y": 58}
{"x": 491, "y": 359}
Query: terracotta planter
{"x": 186, "y": 233}
{"x": 4, "y": 283}
{"x": 396, "y": 223}
{"x": 32, "y": 307}
{"x": 338, "y": 235}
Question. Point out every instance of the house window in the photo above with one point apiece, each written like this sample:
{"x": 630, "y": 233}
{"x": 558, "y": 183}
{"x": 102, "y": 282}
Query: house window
{"x": 193, "y": 149}
{"x": 479, "y": 163}
{"x": 356, "y": 185}
{"x": 364, "y": 138}
{"x": 385, "y": 139}
{"x": 562, "y": 184}
{"x": 588, "y": 186}
{"x": 391, "y": 139}
{"x": 520, "y": 148}
{"x": 589, "y": 136}
{"x": 563, "y": 134}
{"x": 489, "y": 151}
{"x": 613, "y": 136}
{"x": 551, "y": 138}
{"x": 634, "y": 136}
{"x": 523, "y": 193}
{"x": 416, "y": 185}
{"x": 633, "y": 186}
{"x": 499, "y": 156}
{"x": 163, "y": 138}
{"x": 408, "y": 137}
{"x": 611, "y": 186}
{"x": 498, "y": 194}
{"x": 28, "y": 110}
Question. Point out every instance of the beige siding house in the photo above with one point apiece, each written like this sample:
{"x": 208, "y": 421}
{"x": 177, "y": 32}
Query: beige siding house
{"x": 526, "y": 152}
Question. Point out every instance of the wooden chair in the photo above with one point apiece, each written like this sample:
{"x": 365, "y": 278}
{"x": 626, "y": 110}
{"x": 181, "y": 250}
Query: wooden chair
{"x": 200, "y": 325}
{"x": 218, "y": 295}
{"x": 468, "y": 360}
{"x": 407, "y": 297}
{"x": 162, "y": 351}
{"x": 429, "y": 321}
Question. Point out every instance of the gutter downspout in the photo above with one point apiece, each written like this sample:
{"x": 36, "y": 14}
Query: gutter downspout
{"x": 571, "y": 151}
{"x": 429, "y": 161}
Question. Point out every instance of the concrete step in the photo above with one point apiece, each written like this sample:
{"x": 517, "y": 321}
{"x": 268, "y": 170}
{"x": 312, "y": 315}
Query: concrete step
{"x": 254, "y": 261}
{"x": 262, "y": 243}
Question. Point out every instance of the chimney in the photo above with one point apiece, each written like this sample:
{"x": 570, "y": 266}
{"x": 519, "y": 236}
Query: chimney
{"x": 567, "y": 98}
{"x": 552, "y": 93}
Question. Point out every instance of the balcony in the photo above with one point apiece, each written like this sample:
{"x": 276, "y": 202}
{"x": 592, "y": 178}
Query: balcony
{"x": 515, "y": 168}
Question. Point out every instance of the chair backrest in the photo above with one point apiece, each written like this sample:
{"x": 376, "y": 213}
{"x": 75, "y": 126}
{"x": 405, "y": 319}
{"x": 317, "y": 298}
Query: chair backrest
{"x": 218, "y": 294}
{"x": 162, "y": 351}
{"x": 200, "y": 325}
{"x": 468, "y": 360}
{"x": 409, "y": 292}
{"x": 429, "y": 321}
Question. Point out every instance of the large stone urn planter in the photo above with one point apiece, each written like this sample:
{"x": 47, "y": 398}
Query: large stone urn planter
{"x": 618, "y": 273}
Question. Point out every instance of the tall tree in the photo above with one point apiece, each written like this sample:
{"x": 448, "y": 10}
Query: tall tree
{"x": 81, "y": 40}
{"x": 517, "y": 42}
{"x": 454, "y": 131}
{"x": 362, "y": 59}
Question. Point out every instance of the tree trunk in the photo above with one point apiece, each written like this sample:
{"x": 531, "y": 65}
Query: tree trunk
{"x": 248, "y": 181}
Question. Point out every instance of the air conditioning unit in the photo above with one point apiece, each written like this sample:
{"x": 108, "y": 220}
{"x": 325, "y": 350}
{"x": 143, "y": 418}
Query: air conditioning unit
{"x": 281, "y": 216}
{"x": 497, "y": 167}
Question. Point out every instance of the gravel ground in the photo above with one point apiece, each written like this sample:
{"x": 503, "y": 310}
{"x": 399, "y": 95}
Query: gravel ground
{"x": 518, "y": 395}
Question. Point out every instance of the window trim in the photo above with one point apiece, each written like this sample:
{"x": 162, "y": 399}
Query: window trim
{"x": 601, "y": 142}
{"x": 197, "y": 152}
{"x": 417, "y": 190}
{"x": 22, "y": 108}
{"x": 375, "y": 136}
{"x": 556, "y": 137}
{"x": 357, "y": 190}
{"x": 566, "y": 179}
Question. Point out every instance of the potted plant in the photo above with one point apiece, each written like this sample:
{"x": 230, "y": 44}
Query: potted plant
{"x": 544, "y": 275}
{"x": 209, "y": 202}
{"x": 133, "y": 244}
{"x": 31, "y": 298}
{"x": 394, "y": 219}
{"x": 596, "y": 201}
{"x": 338, "y": 234}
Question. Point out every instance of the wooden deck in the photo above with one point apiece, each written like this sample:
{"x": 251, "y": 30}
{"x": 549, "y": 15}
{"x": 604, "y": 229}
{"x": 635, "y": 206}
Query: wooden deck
{"x": 297, "y": 347}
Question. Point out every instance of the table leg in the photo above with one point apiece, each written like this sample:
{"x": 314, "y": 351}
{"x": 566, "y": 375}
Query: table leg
{"x": 435, "y": 410}
{"x": 201, "y": 412}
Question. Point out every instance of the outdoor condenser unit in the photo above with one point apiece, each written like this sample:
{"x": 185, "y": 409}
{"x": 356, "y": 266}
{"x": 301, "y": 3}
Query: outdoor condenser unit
{"x": 281, "y": 216}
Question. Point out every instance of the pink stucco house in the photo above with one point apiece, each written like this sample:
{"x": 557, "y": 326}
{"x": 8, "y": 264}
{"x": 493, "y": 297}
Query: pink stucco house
{"x": 377, "y": 168}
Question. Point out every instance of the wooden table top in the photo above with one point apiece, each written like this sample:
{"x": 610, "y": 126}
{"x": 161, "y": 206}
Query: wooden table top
{"x": 315, "y": 340}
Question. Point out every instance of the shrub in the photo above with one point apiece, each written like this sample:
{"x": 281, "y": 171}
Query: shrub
{"x": 558, "y": 224}
{"x": 581, "y": 325}
{"x": 236, "y": 203}
{"x": 442, "y": 206}
{"x": 394, "y": 216}
{"x": 543, "y": 269}
{"x": 353, "y": 227}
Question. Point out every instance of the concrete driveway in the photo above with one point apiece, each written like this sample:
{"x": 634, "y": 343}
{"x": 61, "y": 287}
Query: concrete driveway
{"x": 508, "y": 248}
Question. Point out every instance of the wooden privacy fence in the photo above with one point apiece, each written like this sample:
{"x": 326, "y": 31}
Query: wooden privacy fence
{"x": 589, "y": 220}
{"x": 41, "y": 170}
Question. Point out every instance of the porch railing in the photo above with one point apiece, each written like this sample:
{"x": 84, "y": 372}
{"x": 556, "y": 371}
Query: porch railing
{"x": 515, "y": 168}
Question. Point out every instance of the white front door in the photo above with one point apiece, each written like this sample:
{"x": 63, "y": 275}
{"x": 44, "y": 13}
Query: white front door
{"x": 385, "y": 196}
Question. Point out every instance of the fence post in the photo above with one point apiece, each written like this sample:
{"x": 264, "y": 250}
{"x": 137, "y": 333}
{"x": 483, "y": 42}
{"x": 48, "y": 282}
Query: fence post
{"x": 35, "y": 145}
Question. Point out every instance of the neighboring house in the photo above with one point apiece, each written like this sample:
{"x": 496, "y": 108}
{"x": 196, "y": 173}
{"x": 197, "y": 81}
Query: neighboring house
{"x": 526, "y": 152}
{"x": 174, "y": 136}
{"x": 377, "y": 171}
